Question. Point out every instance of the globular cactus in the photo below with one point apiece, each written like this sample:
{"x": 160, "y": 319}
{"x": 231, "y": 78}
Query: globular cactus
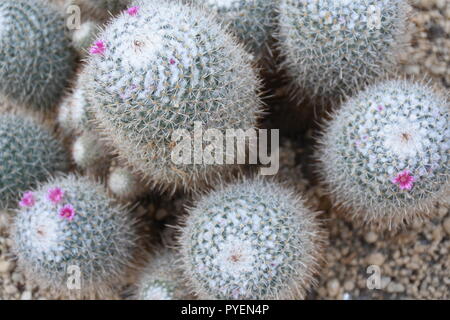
{"x": 83, "y": 37}
{"x": 250, "y": 240}
{"x": 73, "y": 115}
{"x": 159, "y": 68}
{"x": 252, "y": 21}
{"x": 87, "y": 151}
{"x": 124, "y": 184}
{"x": 28, "y": 154}
{"x": 36, "y": 60}
{"x": 162, "y": 280}
{"x": 70, "y": 228}
{"x": 332, "y": 47}
{"x": 385, "y": 155}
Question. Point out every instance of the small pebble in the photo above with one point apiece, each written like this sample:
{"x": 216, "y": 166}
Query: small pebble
{"x": 375, "y": 259}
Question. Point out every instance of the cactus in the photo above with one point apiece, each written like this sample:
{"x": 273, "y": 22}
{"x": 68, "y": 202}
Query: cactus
{"x": 83, "y": 37}
{"x": 28, "y": 155}
{"x": 73, "y": 115}
{"x": 161, "y": 67}
{"x": 331, "y": 47}
{"x": 87, "y": 151}
{"x": 250, "y": 240}
{"x": 161, "y": 279}
{"x": 124, "y": 184}
{"x": 35, "y": 56}
{"x": 385, "y": 154}
{"x": 71, "y": 224}
{"x": 252, "y": 21}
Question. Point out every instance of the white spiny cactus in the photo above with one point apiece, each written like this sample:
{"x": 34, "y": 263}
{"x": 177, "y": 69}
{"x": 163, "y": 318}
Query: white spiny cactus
{"x": 162, "y": 67}
{"x": 385, "y": 155}
{"x": 250, "y": 240}
{"x": 70, "y": 224}
{"x": 332, "y": 47}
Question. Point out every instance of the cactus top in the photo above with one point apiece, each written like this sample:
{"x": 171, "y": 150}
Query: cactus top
{"x": 35, "y": 56}
{"x": 251, "y": 240}
{"x": 387, "y": 150}
{"x": 71, "y": 222}
{"x": 163, "y": 67}
{"x": 333, "y": 46}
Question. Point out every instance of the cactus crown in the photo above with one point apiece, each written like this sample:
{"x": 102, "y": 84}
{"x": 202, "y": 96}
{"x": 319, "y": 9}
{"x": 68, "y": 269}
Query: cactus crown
{"x": 385, "y": 153}
{"x": 250, "y": 240}
{"x": 162, "y": 69}
{"x": 332, "y": 47}
{"x": 28, "y": 155}
{"x": 71, "y": 222}
{"x": 35, "y": 56}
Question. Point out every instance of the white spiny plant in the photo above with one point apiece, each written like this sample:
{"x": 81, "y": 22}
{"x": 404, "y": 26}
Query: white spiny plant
{"x": 161, "y": 67}
{"x": 384, "y": 155}
{"x": 36, "y": 60}
{"x": 73, "y": 115}
{"x": 332, "y": 47}
{"x": 70, "y": 223}
{"x": 87, "y": 151}
{"x": 250, "y": 240}
{"x": 252, "y": 21}
{"x": 124, "y": 184}
{"x": 162, "y": 280}
{"x": 83, "y": 37}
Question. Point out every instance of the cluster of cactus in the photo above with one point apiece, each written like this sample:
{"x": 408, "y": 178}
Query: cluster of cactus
{"x": 71, "y": 224}
{"x": 34, "y": 69}
{"x": 385, "y": 153}
{"x": 147, "y": 80}
{"x": 332, "y": 47}
{"x": 162, "y": 280}
{"x": 252, "y": 21}
{"x": 29, "y": 154}
{"x": 159, "y": 69}
{"x": 250, "y": 240}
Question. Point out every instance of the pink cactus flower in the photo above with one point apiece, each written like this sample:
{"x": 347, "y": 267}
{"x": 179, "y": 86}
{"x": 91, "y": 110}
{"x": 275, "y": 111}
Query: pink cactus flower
{"x": 172, "y": 61}
{"x": 133, "y": 11}
{"x": 55, "y": 195}
{"x": 27, "y": 200}
{"x": 98, "y": 47}
{"x": 404, "y": 180}
{"x": 67, "y": 212}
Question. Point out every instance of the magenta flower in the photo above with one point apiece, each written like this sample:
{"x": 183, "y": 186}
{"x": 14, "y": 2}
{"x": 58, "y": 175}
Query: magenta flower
{"x": 55, "y": 195}
{"x": 172, "y": 61}
{"x": 27, "y": 200}
{"x": 67, "y": 212}
{"x": 98, "y": 47}
{"x": 133, "y": 11}
{"x": 380, "y": 108}
{"x": 404, "y": 180}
